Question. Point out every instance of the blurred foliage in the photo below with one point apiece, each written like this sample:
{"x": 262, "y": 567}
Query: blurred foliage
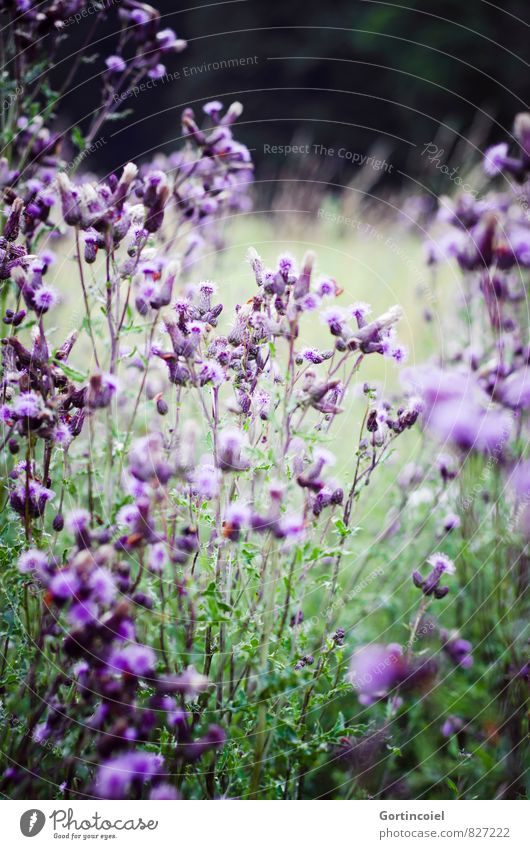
{"x": 370, "y": 70}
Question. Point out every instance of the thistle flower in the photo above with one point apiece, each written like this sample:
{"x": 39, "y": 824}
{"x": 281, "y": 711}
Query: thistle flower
{"x": 33, "y": 561}
{"x": 236, "y": 518}
{"x": 375, "y": 670}
{"x": 495, "y": 159}
{"x": 115, "y": 776}
{"x": 441, "y": 564}
{"x": 457, "y": 649}
{"x": 205, "y": 482}
{"x": 452, "y": 725}
{"x": 115, "y": 64}
{"x": 231, "y": 445}
{"x": 30, "y": 499}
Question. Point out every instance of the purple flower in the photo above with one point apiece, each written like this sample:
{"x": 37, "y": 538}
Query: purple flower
{"x": 147, "y": 460}
{"x": 451, "y": 522}
{"x": 442, "y": 563}
{"x": 157, "y": 558}
{"x": 102, "y": 585}
{"x": 335, "y": 318}
{"x": 452, "y": 725}
{"x": 189, "y": 683}
{"x": 291, "y": 528}
{"x": 495, "y": 159}
{"x": 314, "y": 356}
{"x": 360, "y": 310}
{"x": 30, "y": 498}
{"x": 309, "y": 302}
{"x": 82, "y": 613}
{"x": 128, "y": 515}
{"x": 27, "y": 405}
{"x": 163, "y": 791}
{"x": 213, "y": 739}
{"x": 205, "y": 482}
{"x": 326, "y": 287}
{"x": 375, "y": 670}
{"x": 236, "y": 518}
{"x": 211, "y": 372}
{"x": 78, "y": 521}
{"x": 515, "y": 390}
{"x": 231, "y": 443}
{"x": 157, "y": 72}
{"x": 457, "y": 410}
{"x": 64, "y": 585}
{"x": 114, "y": 777}
{"x": 44, "y": 298}
{"x": 213, "y": 108}
{"x": 101, "y": 390}
{"x": 167, "y": 41}
{"x": 135, "y": 659}
{"x": 32, "y": 561}
{"x": 457, "y": 649}
{"x": 115, "y": 64}
{"x": 520, "y": 480}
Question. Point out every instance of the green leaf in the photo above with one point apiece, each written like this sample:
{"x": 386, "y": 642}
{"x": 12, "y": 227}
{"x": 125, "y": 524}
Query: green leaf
{"x": 71, "y": 373}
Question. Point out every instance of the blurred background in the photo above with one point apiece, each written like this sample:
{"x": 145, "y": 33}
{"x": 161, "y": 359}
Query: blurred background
{"x": 349, "y": 75}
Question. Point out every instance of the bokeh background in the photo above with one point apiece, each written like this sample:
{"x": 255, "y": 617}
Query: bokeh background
{"x": 350, "y": 73}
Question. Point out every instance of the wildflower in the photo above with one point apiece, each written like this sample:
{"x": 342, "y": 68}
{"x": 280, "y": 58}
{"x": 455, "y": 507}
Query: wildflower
{"x": 163, "y": 791}
{"x": 494, "y": 159}
{"x": 32, "y": 561}
{"x": 452, "y": 725}
{"x": 147, "y": 460}
{"x": 213, "y": 739}
{"x": 115, "y": 777}
{"x": 375, "y": 670}
{"x": 205, "y": 482}
{"x": 441, "y": 564}
{"x": 30, "y": 499}
{"x": 236, "y": 518}
{"x": 457, "y": 649}
{"x": 451, "y": 522}
{"x": 78, "y": 523}
{"x": 359, "y": 311}
{"x": 101, "y": 390}
{"x": 189, "y": 683}
{"x": 326, "y": 287}
{"x": 158, "y": 72}
{"x": 44, "y": 299}
{"x": 115, "y": 64}
{"x": 157, "y": 558}
{"x": 335, "y": 318}
{"x": 135, "y": 659}
{"x": 28, "y": 405}
{"x": 64, "y": 585}
{"x": 231, "y": 444}
{"x": 314, "y": 356}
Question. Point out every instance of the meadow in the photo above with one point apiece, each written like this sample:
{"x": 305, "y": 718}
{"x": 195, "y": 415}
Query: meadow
{"x": 265, "y": 483}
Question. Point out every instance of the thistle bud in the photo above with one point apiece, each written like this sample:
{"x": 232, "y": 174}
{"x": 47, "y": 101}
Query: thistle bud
{"x": 161, "y": 406}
